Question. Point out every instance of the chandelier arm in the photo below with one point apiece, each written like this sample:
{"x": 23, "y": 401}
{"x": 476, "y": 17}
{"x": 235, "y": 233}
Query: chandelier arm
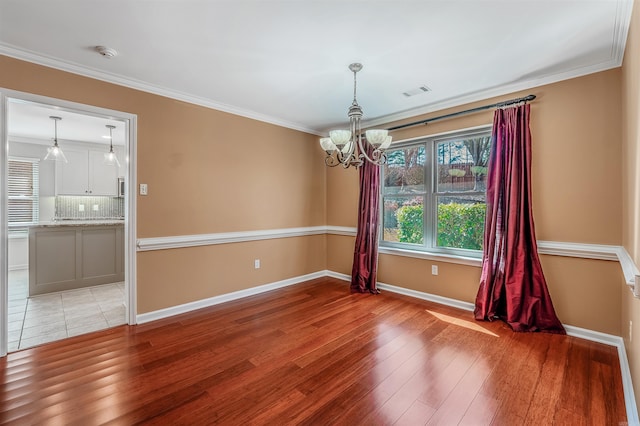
{"x": 377, "y": 156}
{"x": 331, "y": 161}
{"x": 345, "y": 157}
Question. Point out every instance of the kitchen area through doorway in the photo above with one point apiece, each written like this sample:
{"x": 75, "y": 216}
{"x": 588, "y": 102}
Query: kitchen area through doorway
{"x": 66, "y": 216}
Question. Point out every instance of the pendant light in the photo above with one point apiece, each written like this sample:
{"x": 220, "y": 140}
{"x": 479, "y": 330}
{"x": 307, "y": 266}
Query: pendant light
{"x": 110, "y": 157}
{"x": 54, "y": 153}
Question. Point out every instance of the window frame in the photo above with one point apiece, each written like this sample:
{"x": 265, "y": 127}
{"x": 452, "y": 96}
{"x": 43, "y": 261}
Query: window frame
{"x": 35, "y": 197}
{"x": 430, "y": 195}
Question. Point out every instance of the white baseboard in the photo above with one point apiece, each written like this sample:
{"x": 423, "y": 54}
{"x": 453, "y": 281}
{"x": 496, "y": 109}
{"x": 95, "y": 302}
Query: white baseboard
{"x": 466, "y": 306}
{"x": 203, "y": 303}
{"x": 627, "y": 387}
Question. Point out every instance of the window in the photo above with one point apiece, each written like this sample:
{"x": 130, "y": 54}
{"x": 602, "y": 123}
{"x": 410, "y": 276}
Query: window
{"x": 433, "y": 193}
{"x": 23, "y": 191}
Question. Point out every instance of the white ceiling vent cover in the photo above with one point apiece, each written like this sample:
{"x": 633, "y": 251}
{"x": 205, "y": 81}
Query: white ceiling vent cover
{"x": 413, "y": 92}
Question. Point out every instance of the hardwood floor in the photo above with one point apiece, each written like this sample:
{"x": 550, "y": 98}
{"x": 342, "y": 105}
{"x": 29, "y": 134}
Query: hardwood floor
{"x": 315, "y": 354}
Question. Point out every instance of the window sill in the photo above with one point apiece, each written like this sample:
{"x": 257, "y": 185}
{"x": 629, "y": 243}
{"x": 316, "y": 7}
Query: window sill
{"x": 449, "y": 258}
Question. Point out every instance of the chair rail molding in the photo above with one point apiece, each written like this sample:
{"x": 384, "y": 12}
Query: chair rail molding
{"x": 182, "y": 241}
{"x": 553, "y": 248}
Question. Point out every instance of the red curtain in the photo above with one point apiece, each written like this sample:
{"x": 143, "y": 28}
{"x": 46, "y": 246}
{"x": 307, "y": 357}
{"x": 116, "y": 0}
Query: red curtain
{"x": 365, "y": 257}
{"x": 512, "y": 285}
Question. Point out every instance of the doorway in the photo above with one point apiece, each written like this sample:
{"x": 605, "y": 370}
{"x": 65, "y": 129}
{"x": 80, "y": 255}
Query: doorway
{"x": 57, "y": 305}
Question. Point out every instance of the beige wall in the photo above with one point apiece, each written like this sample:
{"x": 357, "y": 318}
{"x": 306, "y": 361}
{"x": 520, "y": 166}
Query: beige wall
{"x": 216, "y": 268}
{"x": 631, "y": 189}
{"x": 207, "y": 171}
{"x": 576, "y": 128}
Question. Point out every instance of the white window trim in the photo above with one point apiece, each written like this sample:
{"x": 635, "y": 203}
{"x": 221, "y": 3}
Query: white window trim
{"x": 429, "y": 250}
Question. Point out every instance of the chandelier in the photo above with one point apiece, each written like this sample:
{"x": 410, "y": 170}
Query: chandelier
{"x": 347, "y": 147}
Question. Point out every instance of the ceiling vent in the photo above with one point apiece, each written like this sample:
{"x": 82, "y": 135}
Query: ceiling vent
{"x": 419, "y": 90}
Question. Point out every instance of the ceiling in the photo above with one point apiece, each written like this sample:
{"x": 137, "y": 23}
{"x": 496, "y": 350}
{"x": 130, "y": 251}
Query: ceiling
{"x": 286, "y": 62}
{"x": 27, "y": 120}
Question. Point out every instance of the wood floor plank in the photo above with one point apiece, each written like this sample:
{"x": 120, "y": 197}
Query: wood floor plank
{"x": 576, "y": 389}
{"x": 314, "y": 354}
{"x": 417, "y": 414}
{"x": 549, "y": 387}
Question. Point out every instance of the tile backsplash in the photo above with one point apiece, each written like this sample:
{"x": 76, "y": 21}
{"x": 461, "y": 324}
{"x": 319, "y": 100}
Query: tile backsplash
{"x": 82, "y": 207}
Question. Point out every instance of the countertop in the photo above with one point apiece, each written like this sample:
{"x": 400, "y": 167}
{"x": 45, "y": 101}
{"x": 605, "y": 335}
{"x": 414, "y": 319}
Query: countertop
{"x": 96, "y": 222}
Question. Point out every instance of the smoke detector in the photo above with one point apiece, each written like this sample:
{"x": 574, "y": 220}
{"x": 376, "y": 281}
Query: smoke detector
{"x": 107, "y": 52}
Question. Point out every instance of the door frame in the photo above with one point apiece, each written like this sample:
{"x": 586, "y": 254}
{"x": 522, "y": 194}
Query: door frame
{"x": 130, "y": 121}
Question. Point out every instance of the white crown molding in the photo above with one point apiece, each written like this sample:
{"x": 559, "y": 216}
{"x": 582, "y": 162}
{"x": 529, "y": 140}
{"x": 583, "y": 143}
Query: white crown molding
{"x": 51, "y": 62}
{"x": 621, "y": 29}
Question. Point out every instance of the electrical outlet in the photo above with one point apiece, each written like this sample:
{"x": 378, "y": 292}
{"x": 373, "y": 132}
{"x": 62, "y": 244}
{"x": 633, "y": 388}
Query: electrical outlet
{"x": 143, "y": 189}
{"x": 434, "y": 269}
{"x": 95, "y": 207}
{"x": 256, "y": 264}
{"x": 81, "y": 207}
{"x": 630, "y": 331}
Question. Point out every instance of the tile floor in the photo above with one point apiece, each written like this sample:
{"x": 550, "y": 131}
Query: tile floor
{"x": 41, "y": 319}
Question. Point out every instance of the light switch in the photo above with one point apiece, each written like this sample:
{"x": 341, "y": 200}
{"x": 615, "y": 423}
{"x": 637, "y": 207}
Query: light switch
{"x": 143, "y": 189}
{"x": 95, "y": 207}
{"x": 81, "y": 207}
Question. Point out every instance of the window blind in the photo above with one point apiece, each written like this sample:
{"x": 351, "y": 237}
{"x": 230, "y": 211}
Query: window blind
{"x": 23, "y": 190}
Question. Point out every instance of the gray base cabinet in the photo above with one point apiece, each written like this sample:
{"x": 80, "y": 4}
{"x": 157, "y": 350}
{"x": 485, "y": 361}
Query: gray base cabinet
{"x": 72, "y": 257}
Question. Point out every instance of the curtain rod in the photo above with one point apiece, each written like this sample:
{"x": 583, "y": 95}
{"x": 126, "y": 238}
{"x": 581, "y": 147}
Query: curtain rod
{"x": 468, "y": 111}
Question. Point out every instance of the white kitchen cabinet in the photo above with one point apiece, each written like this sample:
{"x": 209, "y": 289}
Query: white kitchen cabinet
{"x": 86, "y": 174}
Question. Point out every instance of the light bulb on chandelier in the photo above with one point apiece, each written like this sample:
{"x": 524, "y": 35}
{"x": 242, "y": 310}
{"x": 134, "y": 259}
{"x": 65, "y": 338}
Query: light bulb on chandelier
{"x": 346, "y": 147}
